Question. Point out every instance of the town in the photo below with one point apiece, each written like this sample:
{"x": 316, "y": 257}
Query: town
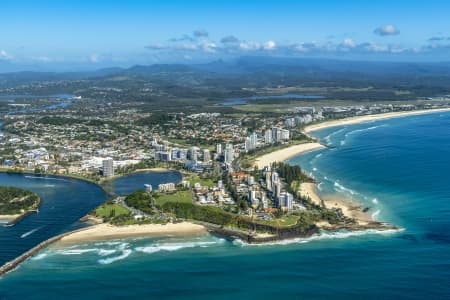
{"x": 215, "y": 151}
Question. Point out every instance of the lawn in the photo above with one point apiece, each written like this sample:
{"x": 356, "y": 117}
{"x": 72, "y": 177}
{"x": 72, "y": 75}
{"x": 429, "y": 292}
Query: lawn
{"x": 204, "y": 182}
{"x": 281, "y": 222}
{"x": 179, "y": 196}
{"x": 105, "y": 210}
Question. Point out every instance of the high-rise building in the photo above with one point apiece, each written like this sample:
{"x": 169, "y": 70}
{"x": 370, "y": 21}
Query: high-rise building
{"x": 278, "y": 135}
{"x": 206, "y": 155}
{"x": 219, "y": 149}
{"x": 247, "y": 144}
{"x": 268, "y": 136}
{"x": 285, "y": 201}
{"x": 193, "y": 153}
{"x": 229, "y": 153}
{"x": 268, "y": 181}
{"x": 108, "y": 167}
{"x": 253, "y": 140}
{"x": 277, "y": 190}
{"x": 274, "y": 178}
{"x": 163, "y": 155}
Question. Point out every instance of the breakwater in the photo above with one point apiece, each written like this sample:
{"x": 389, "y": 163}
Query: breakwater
{"x": 13, "y": 264}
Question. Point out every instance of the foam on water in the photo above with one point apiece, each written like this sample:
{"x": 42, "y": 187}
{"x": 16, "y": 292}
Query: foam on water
{"x": 175, "y": 246}
{"x": 340, "y": 187}
{"x": 40, "y": 256}
{"x": 324, "y": 235}
{"x": 125, "y": 254}
{"x": 376, "y": 214}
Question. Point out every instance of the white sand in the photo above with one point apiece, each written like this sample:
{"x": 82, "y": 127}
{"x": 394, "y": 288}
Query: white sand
{"x": 308, "y": 189}
{"x": 107, "y": 231}
{"x": 7, "y": 218}
{"x": 370, "y": 118}
{"x": 285, "y": 154}
{"x": 349, "y": 208}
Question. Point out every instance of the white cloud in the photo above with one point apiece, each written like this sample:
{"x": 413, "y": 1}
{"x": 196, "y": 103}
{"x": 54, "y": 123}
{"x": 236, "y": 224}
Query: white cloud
{"x": 349, "y": 43}
{"x": 95, "y": 58}
{"x": 387, "y": 30}
{"x": 4, "y": 55}
{"x": 269, "y": 45}
{"x": 232, "y": 46}
{"x": 249, "y": 46}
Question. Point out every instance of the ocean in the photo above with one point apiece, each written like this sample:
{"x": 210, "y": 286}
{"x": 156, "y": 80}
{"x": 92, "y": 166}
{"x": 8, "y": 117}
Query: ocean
{"x": 397, "y": 167}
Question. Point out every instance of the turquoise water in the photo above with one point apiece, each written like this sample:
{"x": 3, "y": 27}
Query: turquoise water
{"x": 397, "y": 167}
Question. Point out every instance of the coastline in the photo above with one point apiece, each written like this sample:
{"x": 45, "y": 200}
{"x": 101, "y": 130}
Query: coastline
{"x": 348, "y": 207}
{"x": 370, "y": 118}
{"x": 286, "y": 153}
{"x": 107, "y": 231}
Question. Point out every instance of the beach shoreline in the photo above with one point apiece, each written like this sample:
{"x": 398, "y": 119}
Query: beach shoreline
{"x": 349, "y": 207}
{"x": 370, "y": 118}
{"x": 105, "y": 231}
{"x": 286, "y": 153}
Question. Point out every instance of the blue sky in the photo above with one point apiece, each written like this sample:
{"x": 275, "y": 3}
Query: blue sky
{"x": 90, "y": 34}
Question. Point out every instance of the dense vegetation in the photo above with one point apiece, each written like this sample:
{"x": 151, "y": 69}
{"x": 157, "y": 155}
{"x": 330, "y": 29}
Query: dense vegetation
{"x": 15, "y": 201}
{"x": 140, "y": 200}
{"x": 290, "y": 173}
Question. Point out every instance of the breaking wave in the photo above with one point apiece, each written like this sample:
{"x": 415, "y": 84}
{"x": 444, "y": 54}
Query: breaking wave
{"x": 106, "y": 261}
{"x": 175, "y": 246}
{"x": 340, "y": 187}
{"x": 325, "y": 235}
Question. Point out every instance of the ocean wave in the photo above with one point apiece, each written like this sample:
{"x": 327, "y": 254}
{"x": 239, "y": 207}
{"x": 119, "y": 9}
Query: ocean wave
{"x": 340, "y": 187}
{"x": 113, "y": 243}
{"x": 77, "y": 251}
{"x": 343, "y": 142}
{"x": 175, "y": 246}
{"x": 375, "y": 201}
{"x": 319, "y": 186}
{"x": 40, "y": 256}
{"x": 328, "y": 137}
{"x": 364, "y": 129}
{"x": 106, "y": 261}
{"x": 106, "y": 252}
{"x": 325, "y": 235}
{"x": 376, "y": 214}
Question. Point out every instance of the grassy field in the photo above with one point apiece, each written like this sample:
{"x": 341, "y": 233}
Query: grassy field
{"x": 179, "y": 196}
{"x": 106, "y": 210}
{"x": 204, "y": 182}
{"x": 281, "y": 222}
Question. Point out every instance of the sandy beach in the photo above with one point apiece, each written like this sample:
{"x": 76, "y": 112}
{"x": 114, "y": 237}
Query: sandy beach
{"x": 370, "y": 118}
{"x": 8, "y": 218}
{"x": 285, "y": 154}
{"x": 107, "y": 231}
{"x": 349, "y": 208}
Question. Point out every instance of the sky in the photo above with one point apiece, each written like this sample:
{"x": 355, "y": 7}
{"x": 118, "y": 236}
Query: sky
{"x": 69, "y": 34}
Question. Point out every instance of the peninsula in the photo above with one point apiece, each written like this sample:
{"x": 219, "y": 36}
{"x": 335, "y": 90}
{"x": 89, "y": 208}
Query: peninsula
{"x": 16, "y": 203}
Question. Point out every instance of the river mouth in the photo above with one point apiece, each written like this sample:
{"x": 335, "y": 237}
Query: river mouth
{"x": 64, "y": 202}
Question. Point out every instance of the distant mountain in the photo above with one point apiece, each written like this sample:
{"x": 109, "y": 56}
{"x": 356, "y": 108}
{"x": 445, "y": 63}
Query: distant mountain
{"x": 265, "y": 69}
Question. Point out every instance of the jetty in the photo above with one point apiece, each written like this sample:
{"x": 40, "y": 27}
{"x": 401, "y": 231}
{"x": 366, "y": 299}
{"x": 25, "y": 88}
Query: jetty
{"x": 13, "y": 264}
